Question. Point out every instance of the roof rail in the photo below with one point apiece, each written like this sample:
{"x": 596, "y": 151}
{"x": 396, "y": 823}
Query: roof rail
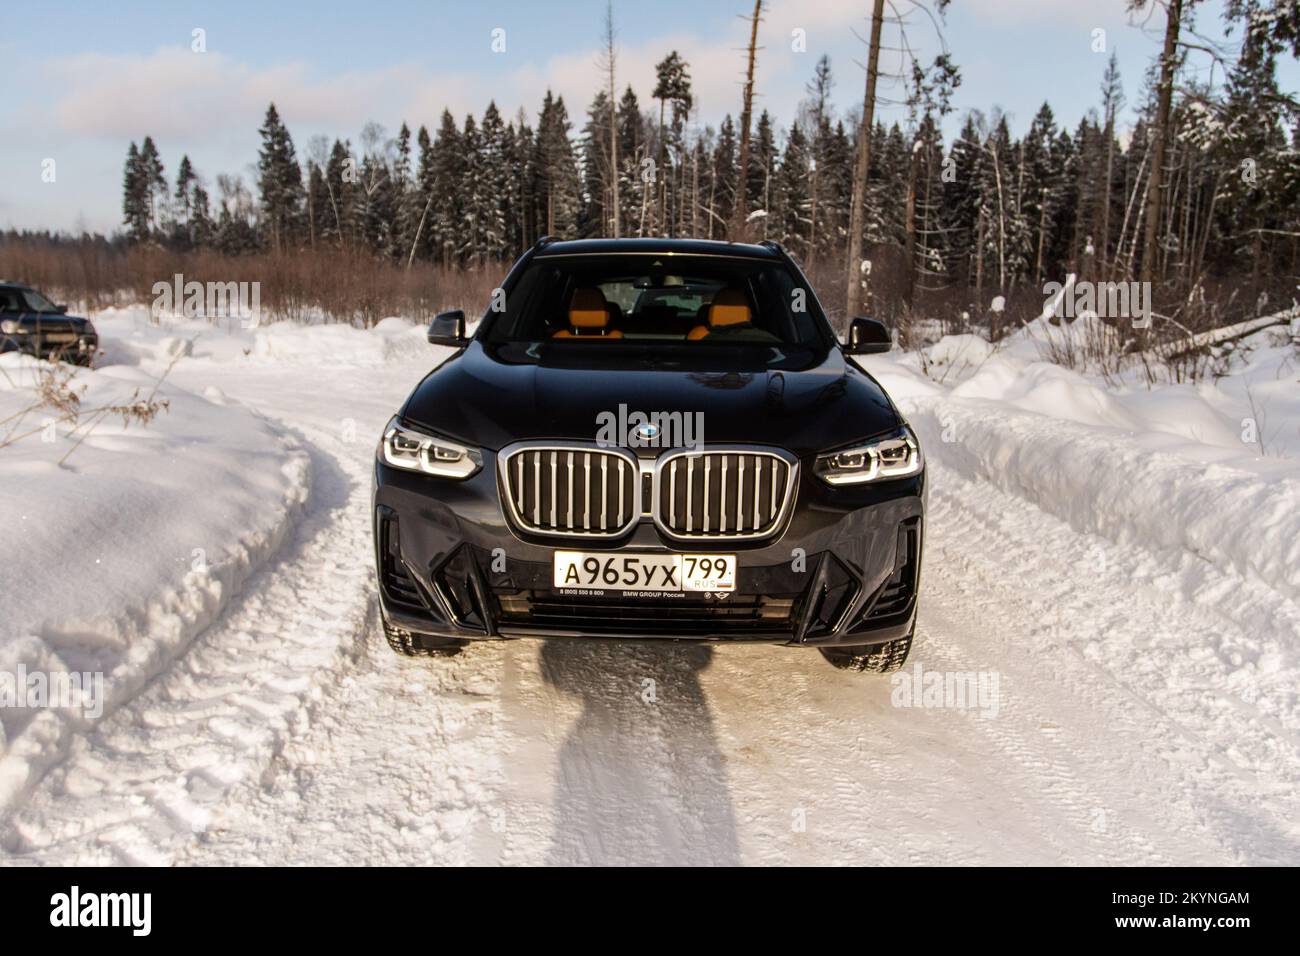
{"x": 544, "y": 241}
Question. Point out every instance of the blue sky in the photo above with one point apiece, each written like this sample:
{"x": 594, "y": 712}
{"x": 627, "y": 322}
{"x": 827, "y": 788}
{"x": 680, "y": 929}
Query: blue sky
{"x": 84, "y": 79}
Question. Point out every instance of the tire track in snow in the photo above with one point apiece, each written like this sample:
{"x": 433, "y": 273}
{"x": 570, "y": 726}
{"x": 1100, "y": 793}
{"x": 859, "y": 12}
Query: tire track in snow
{"x": 150, "y": 778}
{"x": 1109, "y": 634}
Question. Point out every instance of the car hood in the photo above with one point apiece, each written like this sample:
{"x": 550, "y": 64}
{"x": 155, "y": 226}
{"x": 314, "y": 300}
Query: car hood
{"x": 480, "y": 399}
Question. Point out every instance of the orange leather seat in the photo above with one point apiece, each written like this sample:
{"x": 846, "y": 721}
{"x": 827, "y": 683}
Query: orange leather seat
{"x": 588, "y": 317}
{"x": 729, "y": 310}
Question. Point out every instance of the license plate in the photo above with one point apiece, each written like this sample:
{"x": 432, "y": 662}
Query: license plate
{"x": 644, "y": 572}
{"x": 58, "y": 336}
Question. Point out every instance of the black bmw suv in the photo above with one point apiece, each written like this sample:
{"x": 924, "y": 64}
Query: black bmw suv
{"x": 652, "y": 439}
{"x": 31, "y": 323}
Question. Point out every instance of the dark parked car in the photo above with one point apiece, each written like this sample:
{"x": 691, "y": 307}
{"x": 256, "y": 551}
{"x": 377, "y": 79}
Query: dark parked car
{"x": 652, "y": 439}
{"x": 31, "y": 323}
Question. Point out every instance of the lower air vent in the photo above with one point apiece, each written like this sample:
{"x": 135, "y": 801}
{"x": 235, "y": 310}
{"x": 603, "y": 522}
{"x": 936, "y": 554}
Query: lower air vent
{"x": 750, "y": 615}
{"x": 833, "y": 593}
{"x": 396, "y": 581}
{"x": 458, "y": 583}
{"x": 896, "y": 595}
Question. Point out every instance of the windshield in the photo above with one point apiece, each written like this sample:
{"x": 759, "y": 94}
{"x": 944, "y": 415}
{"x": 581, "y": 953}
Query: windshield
{"x": 674, "y": 304}
{"x": 25, "y": 300}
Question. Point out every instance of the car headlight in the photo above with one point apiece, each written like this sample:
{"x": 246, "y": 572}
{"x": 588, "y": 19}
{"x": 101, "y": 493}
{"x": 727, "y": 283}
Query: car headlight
{"x": 895, "y": 456}
{"x": 403, "y": 447}
{"x": 11, "y": 327}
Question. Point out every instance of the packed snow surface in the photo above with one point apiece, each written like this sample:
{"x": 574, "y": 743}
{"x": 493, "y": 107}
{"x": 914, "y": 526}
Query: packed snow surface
{"x": 1117, "y": 564}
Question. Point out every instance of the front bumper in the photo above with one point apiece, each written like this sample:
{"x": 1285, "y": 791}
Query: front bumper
{"x": 78, "y": 347}
{"x": 844, "y": 571}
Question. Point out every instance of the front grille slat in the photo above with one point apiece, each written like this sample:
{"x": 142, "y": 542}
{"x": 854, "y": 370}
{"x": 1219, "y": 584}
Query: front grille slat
{"x": 722, "y": 497}
{"x": 553, "y": 487}
{"x": 740, "y": 493}
{"x": 586, "y": 491}
{"x": 690, "y": 481}
{"x": 705, "y": 526}
{"x": 537, "y": 487}
{"x": 672, "y": 492}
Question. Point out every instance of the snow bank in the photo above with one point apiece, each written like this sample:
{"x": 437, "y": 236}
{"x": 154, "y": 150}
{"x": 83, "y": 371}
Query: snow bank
{"x": 1172, "y": 467}
{"x": 114, "y": 561}
{"x": 133, "y": 336}
{"x": 1141, "y": 489}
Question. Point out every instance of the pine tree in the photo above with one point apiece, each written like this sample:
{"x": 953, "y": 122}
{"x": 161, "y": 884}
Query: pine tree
{"x": 235, "y": 232}
{"x": 559, "y": 188}
{"x": 722, "y": 181}
{"x": 1112, "y": 99}
{"x": 135, "y": 197}
{"x": 474, "y": 197}
{"x": 961, "y": 201}
{"x": 421, "y": 243}
{"x": 377, "y": 196}
{"x": 762, "y": 165}
{"x": 185, "y": 178}
{"x": 927, "y": 234}
{"x": 636, "y": 192}
{"x": 1041, "y": 190}
{"x": 280, "y": 183}
{"x": 818, "y": 109}
{"x": 446, "y": 210}
{"x": 596, "y": 180}
{"x": 152, "y": 183}
{"x": 672, "y": 86}
{"x": 201, "y": 225}
{"x": 835, "y": 185}
{"x": 406, "y": 196}
{"x": 1254, "y": 157}
{"x": 791, "y": 217}
{"x": 523, "y": 201}
{"x": 494, "y": 177}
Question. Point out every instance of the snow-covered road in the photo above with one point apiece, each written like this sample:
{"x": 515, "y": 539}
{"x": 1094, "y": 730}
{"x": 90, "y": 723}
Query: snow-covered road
{"x": 1146, "y": 708}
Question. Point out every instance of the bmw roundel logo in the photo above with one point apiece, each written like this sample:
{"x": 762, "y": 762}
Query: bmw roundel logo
{"x": 647, "y": 431}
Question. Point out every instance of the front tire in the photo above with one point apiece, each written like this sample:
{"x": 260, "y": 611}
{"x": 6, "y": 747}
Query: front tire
{"x": 873, "y": 658}
{"x": 403, "y": 642}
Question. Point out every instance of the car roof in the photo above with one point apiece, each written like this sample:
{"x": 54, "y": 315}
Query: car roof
{"x": 672, "y": 247}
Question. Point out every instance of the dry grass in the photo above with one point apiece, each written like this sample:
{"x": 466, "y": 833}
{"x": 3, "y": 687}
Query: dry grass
{"x": 334, "y": 285}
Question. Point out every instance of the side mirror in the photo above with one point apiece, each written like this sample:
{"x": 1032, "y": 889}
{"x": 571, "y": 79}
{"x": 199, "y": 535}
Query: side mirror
{"x": 61, "y": 309}
{"x": 448, "y": 328}
{"x": 868, "y": 336}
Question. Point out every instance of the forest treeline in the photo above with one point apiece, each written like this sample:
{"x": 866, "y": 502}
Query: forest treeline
{"x": 944, "y": 227}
